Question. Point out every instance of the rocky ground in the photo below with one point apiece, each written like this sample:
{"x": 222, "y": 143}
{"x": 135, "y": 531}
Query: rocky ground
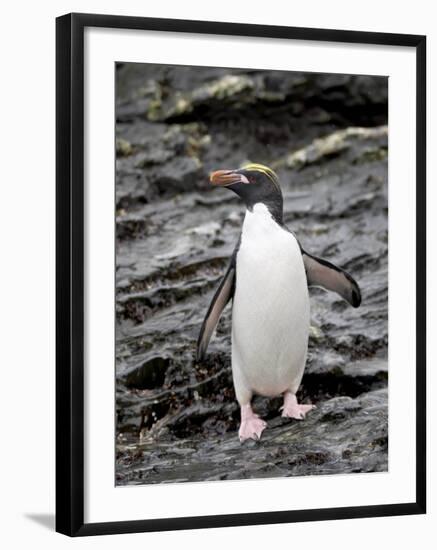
{"x": 325, "y": 135}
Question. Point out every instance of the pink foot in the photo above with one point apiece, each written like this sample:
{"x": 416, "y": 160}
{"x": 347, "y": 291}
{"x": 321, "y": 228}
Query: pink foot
{"x": 291, "y": 408}
{"x": 251, "y": 426}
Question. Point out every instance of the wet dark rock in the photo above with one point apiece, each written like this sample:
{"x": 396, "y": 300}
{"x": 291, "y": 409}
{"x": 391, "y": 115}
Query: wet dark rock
{"x": 174, "y": 98}
{"x": 179, "y": 174}
{"x": 177, "y": 420}
{"x": 132, "y": 189}
{"x": 341, "y": 435}
{"x": 148, "y": 375}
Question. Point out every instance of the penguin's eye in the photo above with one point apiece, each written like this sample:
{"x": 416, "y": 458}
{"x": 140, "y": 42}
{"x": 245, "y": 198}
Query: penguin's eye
{"x": 252, "y": 179}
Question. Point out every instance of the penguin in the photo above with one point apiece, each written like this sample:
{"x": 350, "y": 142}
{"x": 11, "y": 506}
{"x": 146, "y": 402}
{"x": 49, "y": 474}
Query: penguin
{"x": 267, "y": 279}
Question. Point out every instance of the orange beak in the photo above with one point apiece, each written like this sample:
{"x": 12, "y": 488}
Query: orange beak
{"x": 224, "y": 178}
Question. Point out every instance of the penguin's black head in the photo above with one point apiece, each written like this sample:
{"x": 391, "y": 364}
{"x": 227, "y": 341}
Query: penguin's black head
{"x": 254, "y": 183}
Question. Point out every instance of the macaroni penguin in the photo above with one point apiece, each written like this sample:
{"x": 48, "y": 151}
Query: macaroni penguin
{"x": 267, "y": 279}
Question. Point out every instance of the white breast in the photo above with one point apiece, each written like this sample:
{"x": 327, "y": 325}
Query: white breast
{"x": 270, "y": 317}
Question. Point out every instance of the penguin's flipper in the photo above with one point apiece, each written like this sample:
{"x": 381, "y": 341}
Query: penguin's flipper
{"x": 222, "y": 296}
{"x": 330, "y": 277}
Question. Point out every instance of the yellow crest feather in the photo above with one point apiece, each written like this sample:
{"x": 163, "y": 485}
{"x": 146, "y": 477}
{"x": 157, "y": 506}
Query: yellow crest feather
{"x": 265, "y": 170}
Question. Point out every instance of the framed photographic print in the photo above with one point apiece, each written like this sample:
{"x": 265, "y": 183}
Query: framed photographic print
{"x": 240, "y": 274}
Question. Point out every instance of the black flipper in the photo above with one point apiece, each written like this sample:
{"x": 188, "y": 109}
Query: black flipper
{"x": 330, "y": 277}
{"x": 221, "y": 297}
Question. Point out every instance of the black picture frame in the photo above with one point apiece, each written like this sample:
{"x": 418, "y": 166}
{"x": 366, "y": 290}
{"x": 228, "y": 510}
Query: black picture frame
{"x": 70, "y": 273}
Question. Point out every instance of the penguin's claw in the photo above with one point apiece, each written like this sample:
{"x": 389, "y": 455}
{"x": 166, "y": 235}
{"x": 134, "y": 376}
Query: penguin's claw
{"x": 296, "y": 411}
{"x": 251, "y": 428}
{"x": 291, "y": 408}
